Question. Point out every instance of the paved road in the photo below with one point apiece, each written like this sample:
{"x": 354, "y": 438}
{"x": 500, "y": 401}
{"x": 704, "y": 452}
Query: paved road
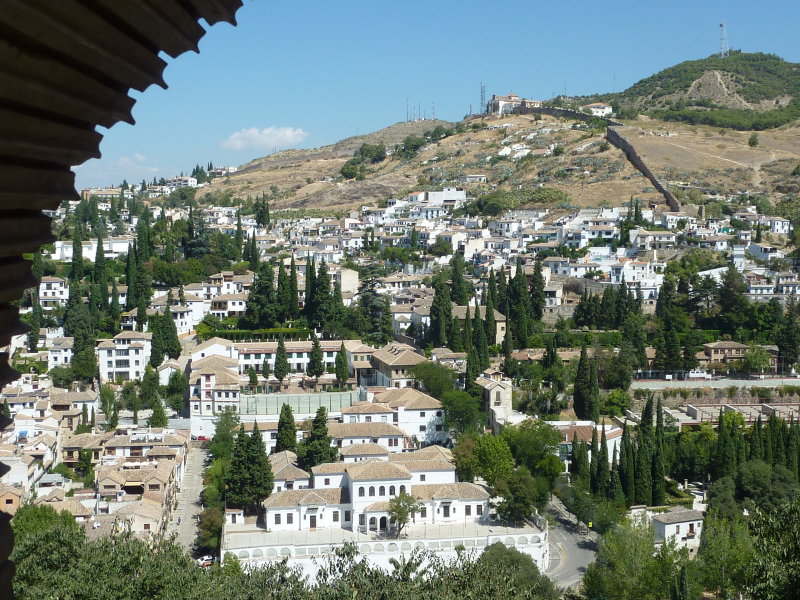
{"x": 189, "y": 506}
{"x": 660, "y": 384}
{"x": 570, "y": 551}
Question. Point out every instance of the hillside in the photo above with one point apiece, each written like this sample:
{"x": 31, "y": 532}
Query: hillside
{"x": 741, "y": 91}
{"x": 588, "y": 171}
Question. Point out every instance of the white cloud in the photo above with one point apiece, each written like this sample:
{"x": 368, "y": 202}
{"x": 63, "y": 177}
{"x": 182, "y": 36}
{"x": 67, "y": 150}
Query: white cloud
{"x": 268, "y": 138}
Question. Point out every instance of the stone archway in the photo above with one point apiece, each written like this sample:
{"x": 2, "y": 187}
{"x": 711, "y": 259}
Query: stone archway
{"x": 65, "y": 68}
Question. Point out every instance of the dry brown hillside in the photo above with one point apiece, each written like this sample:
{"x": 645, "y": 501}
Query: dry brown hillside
{"x": 590, "y": 171}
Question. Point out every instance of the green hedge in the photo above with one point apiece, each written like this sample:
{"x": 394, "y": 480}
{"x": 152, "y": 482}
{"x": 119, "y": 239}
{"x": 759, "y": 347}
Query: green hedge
{"x": 263, "y": 335}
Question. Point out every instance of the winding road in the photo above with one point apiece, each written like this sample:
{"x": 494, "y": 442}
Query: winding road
{"x": 570, "y": 550}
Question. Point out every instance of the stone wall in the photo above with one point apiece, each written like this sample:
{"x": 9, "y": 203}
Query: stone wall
{"x": 614, "y": 136}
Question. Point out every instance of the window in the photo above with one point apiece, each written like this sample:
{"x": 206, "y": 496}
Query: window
{"x": 479, "y": 509}
{"x": 327, "y": 481}
{"x": 422, "y": 428}
{"x": 346, "y": 516}
{"x": 371, "y": 491}
{"x": 273, "y": 435}
{"x": 422, "y": 477}
{"x": 367, "y": 419}
{"x": 438, "y": 428}
{"x": 423, "y": 512}
{"x": 677, "y": 529}
{"x": 468, "y": 510}
{"x": 381, "y": 491}
{"x": 374, "y": 440}
{"x": 361, "y": 492}
{"x": 361, "y": 519}
{"x": 147, "y": 526}
{"x": 402, "y": 489}
{"x": 391, "y": 490}
{"x": 277, "y": 519}
{"x": 438, "y": 413}
{"x": 153, "y": 487}
{"x": 196, "y": 407}
{"x": 336, "y": 516}
{"x": 422, "y": 414}
{"x": 289, "y": 518}
{"x": 11, "y": 500}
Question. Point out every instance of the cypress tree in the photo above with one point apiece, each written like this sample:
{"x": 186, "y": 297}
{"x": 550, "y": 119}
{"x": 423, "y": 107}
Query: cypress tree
{"x": 281, "y": 361}
{"x": 615, "y": 491}
{"x": 322, "y": 294}
{"x": 282, "y": 295}
{"x": 467, "y": 330}
{"x": 657, "y": 475}
{"x": 115, "y": 308}
{"x": 583, "y": 470}
{"x": 287, "y": 431}
{"x": 441, "y": 315}
{"x": 157, "y": 349}
{"x": 627, "y": 467}
{"x": 501, "y": 294}
{"x": 237, "y": 473}
{"x": 172, "y": 345}
{"x": 341, "y": 367}
{"x": 491, "y": 289}
{"x": 537, "y": 291}
{"x": 316, "y": 367}
{"x": 158, "y": 418}
{"x": 643, "y": 479}
{"x": 454, "y": 336}
{"x": 76, "y": 270}
{"x": 259, "y": 474}
{"x": 294, "y": 304}
{"x": 35, "y": 324}
{"x": 460, "y": 292}
{"x": 489, "y": 321}
{"x": 310, "y": 303}
{"x": 573, "y": 459}
{"x": 756, "y": 441}
{"x": 594, "y": 463}
{"x": 141, "y": 313}
{"x": 593, "y": 400}
{"x": 130, "y": 277}
{"x": 238, "y": 239}
{"x": 581, "y": 390}
{"x": 479, "y": 335}
{"x": 603, "y": 474}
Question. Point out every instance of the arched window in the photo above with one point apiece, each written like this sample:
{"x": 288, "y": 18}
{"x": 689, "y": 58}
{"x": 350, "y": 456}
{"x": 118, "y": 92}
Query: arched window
{"x": 382, "y": 491}
{"x": 371, "y": 491}
{"x": 361, "y": 492}
{"x": 402, "y": 489}
{"x": 391, "y": 490}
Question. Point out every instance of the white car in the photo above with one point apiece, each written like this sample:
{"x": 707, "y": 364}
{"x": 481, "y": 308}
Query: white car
{"x": 205, "y": 561}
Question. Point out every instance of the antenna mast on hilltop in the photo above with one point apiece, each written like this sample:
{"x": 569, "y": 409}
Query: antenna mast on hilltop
{"x": 723, "y": 41}
{"x": 482, "y": 105}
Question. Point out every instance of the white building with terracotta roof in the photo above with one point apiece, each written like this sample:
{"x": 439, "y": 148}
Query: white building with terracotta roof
{"x": 124, "y": 357}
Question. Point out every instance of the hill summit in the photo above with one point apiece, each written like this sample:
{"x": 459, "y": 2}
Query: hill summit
{"x": 741, "y": 91}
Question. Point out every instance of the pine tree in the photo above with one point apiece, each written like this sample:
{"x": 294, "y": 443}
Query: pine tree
{"x": 316, "y": 367}
{"x": 287, "y": 431}
{"x": 342, "y": 369}
{"x": 259, "y": 477}
{"x": 281, "y": 361}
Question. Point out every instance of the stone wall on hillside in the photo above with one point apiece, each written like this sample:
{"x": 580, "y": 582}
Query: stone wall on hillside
{"x": 614, "y": 136}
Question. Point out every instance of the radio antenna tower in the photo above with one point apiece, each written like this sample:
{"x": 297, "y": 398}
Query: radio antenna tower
{"x": 723, "y": 41}
{"x": 482, "y": 105}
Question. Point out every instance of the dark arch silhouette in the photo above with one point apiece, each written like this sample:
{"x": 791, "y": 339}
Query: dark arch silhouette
{"x": 65, "y": 68}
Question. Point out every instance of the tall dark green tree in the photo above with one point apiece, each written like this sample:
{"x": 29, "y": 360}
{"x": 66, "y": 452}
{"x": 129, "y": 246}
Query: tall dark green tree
{"x": 441, "y": 315}
{"x": 287, "y": 431}
{"x": 76, "y": 270}
{"x": 294, "y": 305}
{"x": 281, "y": 361}
{"x": 582, "y": 387}
{"x": 316, "y": 367}
{"x": 316, "y": 448}
{"x": 238, "y": 238}
{"x": 260, "y": 478}
{"x": 342, "y": 369}
{"x": 460, "y": 293}
{"x": 537, "y": 291}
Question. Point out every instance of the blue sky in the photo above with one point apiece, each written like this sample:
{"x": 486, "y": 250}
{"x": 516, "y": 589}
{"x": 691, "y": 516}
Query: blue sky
{"x": 308, "y": 74}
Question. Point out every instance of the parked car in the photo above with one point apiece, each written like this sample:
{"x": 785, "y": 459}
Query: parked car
{"x": 205, "y": 561}
{"x": 203, "y": 438}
